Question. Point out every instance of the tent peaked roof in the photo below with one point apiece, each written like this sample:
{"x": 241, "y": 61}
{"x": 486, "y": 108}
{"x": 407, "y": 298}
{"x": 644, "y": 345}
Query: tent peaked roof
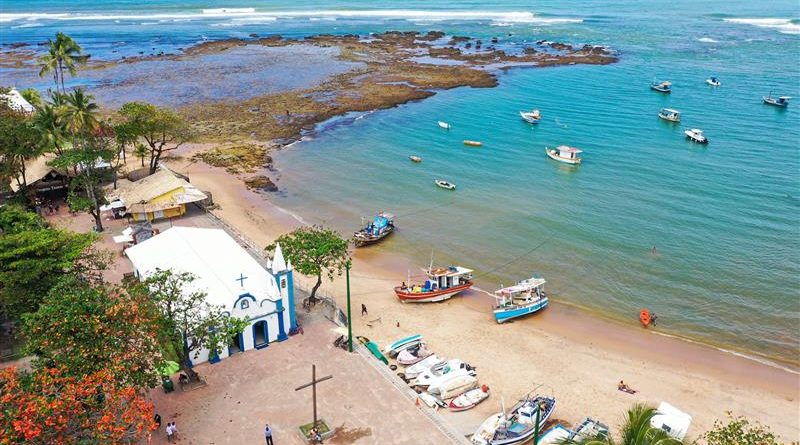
{"x": 278, "y": 263}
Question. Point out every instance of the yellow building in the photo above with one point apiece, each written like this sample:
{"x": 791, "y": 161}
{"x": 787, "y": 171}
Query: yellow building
{"x": 160, "y": 195}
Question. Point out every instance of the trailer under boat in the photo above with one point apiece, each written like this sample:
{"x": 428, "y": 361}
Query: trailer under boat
{"x": 441, "y": 284}
{"x": 381, "y": 226}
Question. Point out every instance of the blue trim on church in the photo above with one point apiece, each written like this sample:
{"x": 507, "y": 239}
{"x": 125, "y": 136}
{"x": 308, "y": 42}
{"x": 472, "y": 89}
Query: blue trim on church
{"x": 290, "y": 294}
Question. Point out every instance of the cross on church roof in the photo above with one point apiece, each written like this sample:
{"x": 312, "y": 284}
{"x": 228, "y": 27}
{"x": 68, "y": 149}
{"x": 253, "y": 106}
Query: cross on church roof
{"x": 241, "y": 279}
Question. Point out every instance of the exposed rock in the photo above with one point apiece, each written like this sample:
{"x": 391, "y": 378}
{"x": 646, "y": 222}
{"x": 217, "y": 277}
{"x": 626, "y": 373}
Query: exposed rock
{"x": 260, "y": 183}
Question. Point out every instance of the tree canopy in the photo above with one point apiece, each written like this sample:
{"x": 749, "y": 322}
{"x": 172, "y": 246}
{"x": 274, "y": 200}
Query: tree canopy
{"x": 739, "y": 431}
{"x": 162, "y": 129}
{"x": 86, "y": 328}
{"x": 314, "y": 250}
{"x": 63, "y": 53}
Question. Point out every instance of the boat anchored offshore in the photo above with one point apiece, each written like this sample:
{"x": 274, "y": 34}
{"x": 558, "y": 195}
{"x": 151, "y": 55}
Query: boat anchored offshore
{"x": 565, "y": 154}
{"x": 518, "y": 426}
{"x": 442, "y": 283}
{"x": 713, "y": 81}
{"x": 782, "y": 101}
{"x": 444, "y": 184}
{"x": 444, "y": 125}
{"x": 379, "y": 228}
{"x": 669, "y": 114}
{"x": 696, "y": 135}
{"x": 531, "y": 117}
{"x": 523, "y": 298}
{"x": 415, "y": 158}
{"x": 662, "y": 87}
{"x": 473, "y": 143}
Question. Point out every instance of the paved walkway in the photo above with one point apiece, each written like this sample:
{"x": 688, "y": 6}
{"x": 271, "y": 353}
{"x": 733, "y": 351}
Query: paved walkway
{"x": 252, "y": 388}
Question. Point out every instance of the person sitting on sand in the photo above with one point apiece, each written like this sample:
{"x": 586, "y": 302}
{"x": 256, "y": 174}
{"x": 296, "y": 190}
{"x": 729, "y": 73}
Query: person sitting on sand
{"x": 622, "y": 386}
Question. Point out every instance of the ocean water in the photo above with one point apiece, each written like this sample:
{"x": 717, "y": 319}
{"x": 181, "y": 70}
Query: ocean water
{"x": 725, "y": 219}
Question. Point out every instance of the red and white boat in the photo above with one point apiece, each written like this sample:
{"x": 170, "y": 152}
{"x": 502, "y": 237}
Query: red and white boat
{"x": 442, "y": 283}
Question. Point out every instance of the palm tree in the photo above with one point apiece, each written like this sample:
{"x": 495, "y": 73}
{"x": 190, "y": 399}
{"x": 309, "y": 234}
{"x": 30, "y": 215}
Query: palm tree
{"x": 636, "y": 430}
{"x": 79, "y": 113}
{"x": 62, "y": 53}
{"x": 47, "y": 122}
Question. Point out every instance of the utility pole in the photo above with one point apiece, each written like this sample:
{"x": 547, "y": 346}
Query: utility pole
{"x": 349, "y": 312}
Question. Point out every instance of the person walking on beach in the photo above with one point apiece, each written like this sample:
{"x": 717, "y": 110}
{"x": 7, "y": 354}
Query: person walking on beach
{"x": 168, "y": 429}
{"x": 363, "y": 309}
{"x": 268, "y": 434}
{"x": 157, "y": 420}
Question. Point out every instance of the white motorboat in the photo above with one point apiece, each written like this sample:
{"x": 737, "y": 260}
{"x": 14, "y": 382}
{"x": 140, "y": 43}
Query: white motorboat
{"x": 484, "y": 434}
{"x": 531, "y": 117}
{"x": 444, "y": 184}
{"x": 453, "y": 386}
{"x": 414, "y": 355}
{"x": 469, "y": 399}
{"x": 436, "y": 373}
{"x": 444, "y": 125}
{"x": 589, "y": 429}
{"x": 696, "y": 135}
{"x": 713, "y": 81}
{"x": 782, "y": 101}
{"x": 669, "y": 114}
{"x": 427, "y": 363}
{"x": 565, "y": 154}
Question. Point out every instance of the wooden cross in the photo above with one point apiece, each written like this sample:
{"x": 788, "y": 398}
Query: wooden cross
{"x": 313, "y": 385}
{"x": 241, "y": 279}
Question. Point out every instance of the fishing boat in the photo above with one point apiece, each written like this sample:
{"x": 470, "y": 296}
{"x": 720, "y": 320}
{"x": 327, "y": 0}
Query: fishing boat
{"x": 409, "y": 342}
{"x": 782, "y": 101}
{"x": 415, "y": 158}
{"x": 696, "y": 135}
{"x": 713, "y": 81}
{"x": 441, "y": 284}
{"x": 523, "y": 298}
{"x": 554, "y": 435}
{"x": 563, "y": 153}
{"x": 418, "y": 368}
{"x": 469, "y": 399}
{"x": 520, "y": 425}
{"x": 444, "y": 125}
{"x": 413, "y": 355}
{"x": 531, "y": 117}
{"x": 473, "y": 143}
{"x": 436, "y": 373}
{"x": 589, "y": 429}
{"x": 668, "y": 114}
{"x": 453, "y": 385}
{"x": 662, "y": 87}
{"x": 444, "y": 184}
{"x": 381, "y": 226}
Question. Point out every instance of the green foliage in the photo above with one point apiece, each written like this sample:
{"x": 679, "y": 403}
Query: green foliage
{"x": 19, "y": 142}
{"x": 315, "y": 251}
{"x": 63, "y": 53}
{"x": 85, "y": 328}
{"x": 32, "y": 96}
{"x": 79, "y": 113}
{"x": 162, "y": 129}
{"x": 739, "y": 431}
{"x": 636, "y": 430}
{"x": 50, "y": 126}
{"x": 32, "y": 259}
{"x": 188, "y": 322}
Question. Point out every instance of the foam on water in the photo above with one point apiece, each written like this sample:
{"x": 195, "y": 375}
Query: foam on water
{"x": 786, "y": 26}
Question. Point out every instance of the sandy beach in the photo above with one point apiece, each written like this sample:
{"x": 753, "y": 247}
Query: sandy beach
{"x": 576, "y": 356}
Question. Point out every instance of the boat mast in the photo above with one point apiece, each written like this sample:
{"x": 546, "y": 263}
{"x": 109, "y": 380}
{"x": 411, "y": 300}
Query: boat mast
{"x": 430, "y": 266}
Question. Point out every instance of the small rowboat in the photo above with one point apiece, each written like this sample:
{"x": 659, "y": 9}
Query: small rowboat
{"x": 473, "y": 143}
{"x": 713, "y": 81}
{"x": 444, "y": 184}
{"x": 563, "y": 153}
{"x": 661, "y": 87}
{"x": 469, "y": 399}
{"x": 444, "y": 125}
{"x": 415, "y": 158}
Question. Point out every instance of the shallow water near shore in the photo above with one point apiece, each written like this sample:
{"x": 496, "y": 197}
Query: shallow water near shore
{"x": 723, "y": 218}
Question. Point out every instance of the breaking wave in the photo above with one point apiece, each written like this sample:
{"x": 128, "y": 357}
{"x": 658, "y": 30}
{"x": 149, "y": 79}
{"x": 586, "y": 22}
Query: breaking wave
{"x": 785, "y": 26}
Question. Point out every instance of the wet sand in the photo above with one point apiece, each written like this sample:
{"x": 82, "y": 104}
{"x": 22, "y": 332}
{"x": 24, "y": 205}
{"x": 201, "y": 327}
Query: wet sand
{"x": 573, "y": 354}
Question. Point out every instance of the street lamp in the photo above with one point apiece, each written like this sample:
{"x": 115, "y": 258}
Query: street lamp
{"x": 349, "y": 312}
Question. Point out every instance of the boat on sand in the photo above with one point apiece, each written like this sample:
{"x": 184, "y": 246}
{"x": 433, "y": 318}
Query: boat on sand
{"x": 404, "y": 343}
{"x": 413, "y": 355}
{"x": 469, "y": 399}
{"x": 565, "y": 154}
{"x": 441, "y": 284}
{"x": 523, "y": 298}
{"x": 421, "y": 366}
{"x": 520, "y": 424}
{"x": 453, "y": 385}
{"x": 589, "y": 429}
{"x": 554, "y": 435}
{"x": 435, "y": 373}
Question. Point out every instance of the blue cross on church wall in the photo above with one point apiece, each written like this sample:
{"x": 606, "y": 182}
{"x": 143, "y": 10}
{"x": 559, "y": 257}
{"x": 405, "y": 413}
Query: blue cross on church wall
{"x": 241, "y": 279}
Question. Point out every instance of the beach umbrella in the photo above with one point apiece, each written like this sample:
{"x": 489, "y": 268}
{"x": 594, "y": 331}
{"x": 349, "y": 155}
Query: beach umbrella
{"x": 169, "y": 368}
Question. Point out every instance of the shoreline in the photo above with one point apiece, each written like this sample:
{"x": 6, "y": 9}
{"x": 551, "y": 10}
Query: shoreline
{"x": 648, "y": 360}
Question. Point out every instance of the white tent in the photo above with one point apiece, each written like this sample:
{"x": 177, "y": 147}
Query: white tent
{"x": 672, "y": 420}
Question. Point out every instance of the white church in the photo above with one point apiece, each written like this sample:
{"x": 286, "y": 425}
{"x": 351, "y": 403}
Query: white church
{"x": 230, "y": 277}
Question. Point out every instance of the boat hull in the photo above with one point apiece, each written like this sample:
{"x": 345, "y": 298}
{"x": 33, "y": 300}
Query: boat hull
{"x": 554, "y": 156}
{"x": 775, "y": 103}
{"x": 527, "y": 117}
{"x": 501, "y": 315}
{"x": 661, "y": 90}
{"x": 361, "y": 239}
{"x": 395, "y": 348}
{"x": 429, "y": 297}
{"x": 668, "y": 119}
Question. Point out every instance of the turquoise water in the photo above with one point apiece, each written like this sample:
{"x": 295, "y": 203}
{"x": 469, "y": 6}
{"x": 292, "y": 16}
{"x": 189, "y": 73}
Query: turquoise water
{"x": 724, "y": 218}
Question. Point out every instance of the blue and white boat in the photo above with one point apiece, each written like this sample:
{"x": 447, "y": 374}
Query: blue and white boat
{"x": 381, "y": 226}
{"x": 531, "y": 117}
{"x": 518, "y": 426}
{"x": 523, "y": 298}
{"x": 662, "y": 87}
{"x": 403, "y": 344}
